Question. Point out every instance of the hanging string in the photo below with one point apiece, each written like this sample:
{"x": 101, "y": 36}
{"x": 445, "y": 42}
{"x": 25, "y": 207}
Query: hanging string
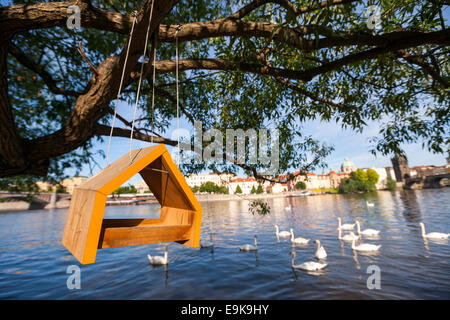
{"x": 178, "y": 97}
{"x": 153, "y": 88}
{"x": 140, "y": 78}
{"x": 120, "y": 86}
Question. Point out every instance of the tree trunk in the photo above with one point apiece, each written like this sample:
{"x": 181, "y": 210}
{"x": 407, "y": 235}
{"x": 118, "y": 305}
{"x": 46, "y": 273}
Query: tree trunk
{"x": 12, "y": 158}
{"x": 88, "y": 109}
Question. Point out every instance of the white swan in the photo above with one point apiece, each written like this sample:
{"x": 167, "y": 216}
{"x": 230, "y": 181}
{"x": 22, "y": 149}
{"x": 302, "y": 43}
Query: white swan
{"x": 433, "y": 235}
{"x": 308, "y": 266}
{"x": 366, "y": 232}
{"x": 298, "y": 240}
{"x": 320, "y": 252}
{"x": 346, "y": 226}
{"x": 365, "y": 247}
{"x": 348, "y": 237}
{"x": 249, "y": 247}
{"x": 283, "y": 234}
{"x": 369, "y": 204}
{"x": 158, "y": 260}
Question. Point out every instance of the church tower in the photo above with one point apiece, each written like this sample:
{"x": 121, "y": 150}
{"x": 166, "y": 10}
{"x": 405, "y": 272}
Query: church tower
{"x": 401, "y": 168}
{"x": 347, "y": 166}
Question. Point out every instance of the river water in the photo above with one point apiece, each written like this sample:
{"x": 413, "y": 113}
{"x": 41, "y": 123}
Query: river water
{"x": 33, "y": 263}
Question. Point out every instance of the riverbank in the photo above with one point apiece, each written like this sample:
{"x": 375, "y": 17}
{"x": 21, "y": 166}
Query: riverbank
{"x": 65, "y": 203}
{"x": 133, "y": 200}
{"x": 231, "y": 197}
{"x": 22, "y": 205}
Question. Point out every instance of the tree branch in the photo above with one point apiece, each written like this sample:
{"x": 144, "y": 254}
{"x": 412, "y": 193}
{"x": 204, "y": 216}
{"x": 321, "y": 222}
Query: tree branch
{"x": 51, "y": 83}
{"x": 103, "y": 130}
{"x": 427, "y": 68}
{"x": 22, "y": 17}
{"x": 437, "y": 37}
{"x": 166, "y": 66}
{"x": 341, "y": 107}
{"x": 258, "y": 3}
{"x": 287, "y": 5}
{"x": 83, "y": 55}
{"x": 173, "y": 99}
{"x": 12, "y": 157}
{"x": 19, "y": 18}
{"x": 292, "y": 37}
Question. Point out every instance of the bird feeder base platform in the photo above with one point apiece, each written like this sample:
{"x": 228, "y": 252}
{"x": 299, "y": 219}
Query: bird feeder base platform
{"x": 128, "y": 233}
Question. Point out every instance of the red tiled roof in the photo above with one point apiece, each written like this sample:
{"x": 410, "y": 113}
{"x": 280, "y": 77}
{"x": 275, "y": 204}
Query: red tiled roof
{"x": 243, "y": 180}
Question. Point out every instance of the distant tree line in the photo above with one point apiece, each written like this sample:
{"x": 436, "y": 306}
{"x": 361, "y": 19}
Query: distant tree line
{"x": 125, "y": 189}
{"x": 25, "y": 184}
{"x": 391, "y": 184}
{"x": 210, "y": 187}
{"x": 20, "y": 184}
{"x": 257, "y": 190}
{"x": 360, "y": 180}
{"x": 300, "y": 185}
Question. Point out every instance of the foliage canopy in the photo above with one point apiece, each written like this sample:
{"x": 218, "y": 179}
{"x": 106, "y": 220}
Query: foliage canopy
{"x": 244, "y": 64}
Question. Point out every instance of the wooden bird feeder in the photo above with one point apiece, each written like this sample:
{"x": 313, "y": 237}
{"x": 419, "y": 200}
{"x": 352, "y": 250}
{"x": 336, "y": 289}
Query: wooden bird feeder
{"x": 180, "y": 215}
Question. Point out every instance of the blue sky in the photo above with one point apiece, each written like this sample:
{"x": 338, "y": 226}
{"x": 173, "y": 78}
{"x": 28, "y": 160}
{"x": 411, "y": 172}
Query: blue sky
{"x": 356, "y": 147}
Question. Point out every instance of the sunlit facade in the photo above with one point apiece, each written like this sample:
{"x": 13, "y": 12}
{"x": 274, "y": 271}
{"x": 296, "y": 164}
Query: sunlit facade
{"x": 196, "y": 180}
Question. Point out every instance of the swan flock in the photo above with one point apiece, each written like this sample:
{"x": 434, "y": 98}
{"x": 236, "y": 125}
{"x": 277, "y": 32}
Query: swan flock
{"x": 320, "y": 252}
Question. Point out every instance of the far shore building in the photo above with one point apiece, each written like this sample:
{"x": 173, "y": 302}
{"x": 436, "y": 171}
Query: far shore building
{"x": 347, "y": 166}
{"x": 196, "y": 180}
{"x": 246, "y": 185}
{"x": 312, "y": 180}
{"x": 447, "y": 167}
{"x": 45, "y": 186}
{"x": 319, "y": 181}
{"x": 277, "y": 188}
{"x": 390, "y": 172}
{"x": 71, "y": 183}
{"x": 324, "y": 180}
{"x": 141, "y": 187}
{"x": 427, "y": 170}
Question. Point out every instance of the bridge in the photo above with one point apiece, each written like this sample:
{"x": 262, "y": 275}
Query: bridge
{"x": 431, "y": 181}
{"x": 40, "y": 200}
{"x": 43, "y": 196}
